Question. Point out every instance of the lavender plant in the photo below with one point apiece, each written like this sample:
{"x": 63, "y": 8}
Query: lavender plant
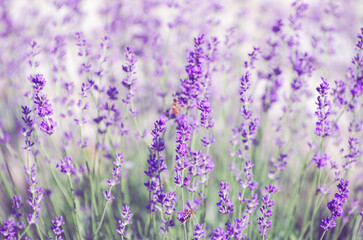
{"x": 228, "y": 128}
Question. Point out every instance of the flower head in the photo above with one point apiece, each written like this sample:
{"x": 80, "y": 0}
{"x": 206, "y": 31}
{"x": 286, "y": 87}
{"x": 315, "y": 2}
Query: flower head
{"x": 66, "y": 166}
{"x": 125, "y": 220}
{"x": 225, "y": 204}
{"x": 57, "y": 226}
{"x": 336, "y": 205}
{"x": 323, "y": 124}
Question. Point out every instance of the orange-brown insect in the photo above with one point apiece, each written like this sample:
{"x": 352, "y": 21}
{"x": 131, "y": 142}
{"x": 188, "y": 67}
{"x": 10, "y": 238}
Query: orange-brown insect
{"x": 187, "y": 214}
{"x": 175, "y": 106}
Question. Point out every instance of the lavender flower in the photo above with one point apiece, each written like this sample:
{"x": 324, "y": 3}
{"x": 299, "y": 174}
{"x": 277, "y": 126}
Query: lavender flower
{"x": 38, "y": 82}
{"x": 125, "y": 220}
{"x": 27, "y": 131}
{"x": 36, "y": 195}
{"x": 225, "y": 204}
{"x": 235, "y": 231}
{"x": 201, "y": 165}
{"x": 251, "y": 205}
{"x": 191, "y": 87}
{"x": 116, "y": 174}
{"x": 17, "y": 205}
{"x": 278, "y": 165}
{"x": 42, "y": 105}
{"x": 57, "y": 227}
{"x": 7, "y": 230}
{"x": 248, "y": 174}
{"x": 183, "y": 137}
{"x": 167, "y": 201}
{"x": 219, "y": 234}
{"x": 323, "y": 124}
{"x": 266, "y": 210}
{"x": 336, "y": 205}
{"x": 66, "y": 166}
{"x": 339, "y": 93}
{"x": 273, "y": 76}
{"x": 321, "y": 160}
{"x": 166, "y": 225}
{"x": 205, "y": 108}
{"x": 129, "y": 81}
{"x": 156, "y": 163}
{"x": 353, "y": 154}
{"x": 35, "y": 50}
{"x": 83, "y": 52}
{"x": 198, "y": 232}
{"x": 112, "y": 93}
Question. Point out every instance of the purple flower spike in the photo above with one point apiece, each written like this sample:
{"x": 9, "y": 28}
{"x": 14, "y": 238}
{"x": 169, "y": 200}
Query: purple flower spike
{"x": 219, "y": 234}
{"x": 38, "y": 82}
{"x": 116, "y": 174}
{"x": 124, "y": 220}
{"x": 263, "y": 222}
{"x": 57, "y": 226}
{"x": 66, "y": 166}
{"x": 198, "y": 232}
{"x": 129, "y": 81}
{"x": 27, "y": 131}
{"x": 17, "y": 205}
{"x": 156, "y": 167}
{"x": 112, "y": 93}
{"x": 335, "y": 206}
{"x": 7, "y": 230}
{"x": 321, "y": 160}
{"x": 225, "y": 205}
{"x": 42, "y": 106}
{"x": 353, "y": 154}
{"x": 36, "y": 195}
{"x": 323, "y": 124}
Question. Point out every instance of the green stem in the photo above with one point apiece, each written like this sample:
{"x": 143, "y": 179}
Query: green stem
{"x": 75, "y": 216}
{"x": 322, "y": 235}
{"x": 24, "y": 232}
{"x": 316, "y": 207}
{"x": 101, "y": 221}
{"x": 185, "y": 232}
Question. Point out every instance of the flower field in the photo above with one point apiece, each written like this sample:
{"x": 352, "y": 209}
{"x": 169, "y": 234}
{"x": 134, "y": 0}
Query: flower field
{"x": 167, "y": 119}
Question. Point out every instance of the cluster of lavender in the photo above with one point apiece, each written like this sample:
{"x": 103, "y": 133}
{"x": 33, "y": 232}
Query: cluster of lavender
{"x": 42, "y": 105}
{"x": 225, "y": 204}
{"x": 36, "y": 197}
{"x": 58, "y": 222}
{"x": 179, "y": 62}
{"x": 116, "y": 174}
{"x": 323, "y": 124}
{"x": 125, "y": 220}
{"x": 156, "y": 163}
{"x": 266, "y": 211}
{"x": 335, "y": 206}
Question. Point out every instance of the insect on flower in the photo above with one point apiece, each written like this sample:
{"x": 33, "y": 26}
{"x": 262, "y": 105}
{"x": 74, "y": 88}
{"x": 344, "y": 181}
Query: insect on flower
{"x": 186, "y": 215}
{"x": 175, "y": 107}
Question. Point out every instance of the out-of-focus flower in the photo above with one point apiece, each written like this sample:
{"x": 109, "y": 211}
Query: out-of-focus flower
{"x": 57, "y": 227}
{"x": 130, "y": 80}
{"x": 198, "y": 232}
{"x": 323, "y": 124}
{"x": 7, "y": 230}
{"x": 66, "y": 166}
{"x": 116, "y": 174}
{"x": 125, "y": 220}
{"x": 36, "y": 195}
{"x": 321, "y": 160}
{"x": 17, "y": 205}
